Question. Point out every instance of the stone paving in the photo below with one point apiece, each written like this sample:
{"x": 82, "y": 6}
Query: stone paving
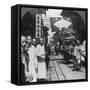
{"x": 58, "y": 70}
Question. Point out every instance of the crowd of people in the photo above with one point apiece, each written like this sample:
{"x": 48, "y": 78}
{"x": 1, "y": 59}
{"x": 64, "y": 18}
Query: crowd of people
{"x": 33, "y": 59}
{"x": 74, "y": 51}
{"x": 33, "y": 56}
{"x": 79, "y": 52}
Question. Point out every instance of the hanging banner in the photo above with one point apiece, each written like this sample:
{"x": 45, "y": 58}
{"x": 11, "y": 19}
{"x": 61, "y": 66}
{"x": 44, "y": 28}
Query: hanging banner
{"x": 38, "y": 26}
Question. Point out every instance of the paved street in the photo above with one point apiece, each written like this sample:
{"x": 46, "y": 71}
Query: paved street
{"x": 58, "y": 70}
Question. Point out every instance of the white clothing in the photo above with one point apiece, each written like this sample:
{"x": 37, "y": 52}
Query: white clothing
{"x": 83, "y": 53}
{"x": 32, "y": 63}
{"x": 42, "y": 70}
{"x": 40, "y": 51}
{"x": 77, "y": 52}
{"x": 41, "y": 65}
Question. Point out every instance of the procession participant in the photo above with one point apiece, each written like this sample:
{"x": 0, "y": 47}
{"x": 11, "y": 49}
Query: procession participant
{"x": 53, "y": 49}
{"x": 76, "y": 52}
{"x": 47, "y": 55}
{"x": 32, "y": 61}
{"x": 34, "y": 42}
{"x": 27, "y": 57}
{"x": 24, "y": 57}
{"x": 78, "y": 57}
{"x": 83, "y": 53}
{"x": 41, "y": 60}
{"x": 57, "y": 48}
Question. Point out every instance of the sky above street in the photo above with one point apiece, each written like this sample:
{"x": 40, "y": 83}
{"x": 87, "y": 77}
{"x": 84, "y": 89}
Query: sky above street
{"x": 53, "y": 13}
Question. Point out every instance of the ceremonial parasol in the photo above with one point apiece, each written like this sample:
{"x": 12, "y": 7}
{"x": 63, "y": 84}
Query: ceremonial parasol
{"x": 62, "y": 23}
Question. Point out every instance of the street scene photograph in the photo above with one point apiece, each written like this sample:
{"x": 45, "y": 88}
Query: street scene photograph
{"x": 53, "y": 44}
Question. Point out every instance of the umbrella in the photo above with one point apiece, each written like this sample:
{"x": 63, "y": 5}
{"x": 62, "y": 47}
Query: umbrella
{"x": 62, "y": 23}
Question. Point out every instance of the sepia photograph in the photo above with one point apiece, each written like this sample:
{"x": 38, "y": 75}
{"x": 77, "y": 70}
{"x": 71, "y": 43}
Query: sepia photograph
{"x": 53, "y": 44}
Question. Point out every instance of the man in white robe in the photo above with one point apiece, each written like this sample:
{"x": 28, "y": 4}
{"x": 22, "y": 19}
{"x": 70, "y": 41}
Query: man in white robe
{"x": 32, "y": 61}
{"x": 41, "y": 60}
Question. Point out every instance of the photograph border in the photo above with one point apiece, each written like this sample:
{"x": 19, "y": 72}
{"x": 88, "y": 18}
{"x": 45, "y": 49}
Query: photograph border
{"x": 19, "y": 42}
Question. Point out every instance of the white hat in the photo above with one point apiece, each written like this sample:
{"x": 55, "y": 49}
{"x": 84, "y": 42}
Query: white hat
{"x": 34, "y": 39}
{"x": 41, "y": 39}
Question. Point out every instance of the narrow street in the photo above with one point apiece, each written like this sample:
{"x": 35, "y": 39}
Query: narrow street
{"x": 58, "y": 70}
{"x": 53, "y": 44}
